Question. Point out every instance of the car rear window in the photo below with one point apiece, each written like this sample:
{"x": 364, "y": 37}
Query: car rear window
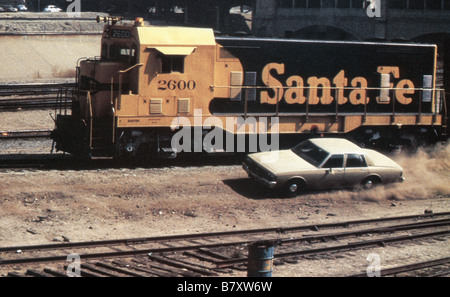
{"x": 354, "y": 160}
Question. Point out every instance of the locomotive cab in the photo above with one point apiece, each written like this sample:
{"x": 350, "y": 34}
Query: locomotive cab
{"x": 88, "y": 130}
{"x": 128, "y": 97}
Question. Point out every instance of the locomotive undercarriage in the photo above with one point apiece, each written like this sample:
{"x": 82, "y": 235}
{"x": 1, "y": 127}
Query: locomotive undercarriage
{"x": 70, "y": 136}
{"x": 396, "y": 138}
{"x": 74, "y": 136}
{"x": 148, "y": 144}
{"x": 144, "y": 144}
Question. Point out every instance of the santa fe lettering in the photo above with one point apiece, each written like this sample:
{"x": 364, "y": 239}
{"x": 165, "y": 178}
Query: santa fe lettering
{"x": 322, "y": 89}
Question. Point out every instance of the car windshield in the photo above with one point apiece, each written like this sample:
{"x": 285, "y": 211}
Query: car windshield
{"x": 310, "y": 153}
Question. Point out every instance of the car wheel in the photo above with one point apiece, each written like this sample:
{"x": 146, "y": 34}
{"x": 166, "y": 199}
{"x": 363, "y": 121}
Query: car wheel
{"x": 294, "y": 187}
{"x": 370, "y": 182}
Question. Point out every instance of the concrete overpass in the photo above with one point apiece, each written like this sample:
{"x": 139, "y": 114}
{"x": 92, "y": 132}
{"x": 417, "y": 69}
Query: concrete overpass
{"x": 410, "y": 20}
{"x": 384, "y": 20}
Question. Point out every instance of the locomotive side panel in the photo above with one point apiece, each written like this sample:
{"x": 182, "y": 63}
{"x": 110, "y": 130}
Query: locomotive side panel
{"x": 322, "y": 77}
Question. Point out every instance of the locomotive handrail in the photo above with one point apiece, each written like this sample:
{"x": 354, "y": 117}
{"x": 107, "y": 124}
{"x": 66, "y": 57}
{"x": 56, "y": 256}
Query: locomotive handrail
{"x": 128, "y": 69}
{"x": 325, "y": 87}
{"x": 435, "y": 91}
{"x": 91, "y": 117}
{"x": 120, "y": 72}
{"x": 444, "y": 107}
{"x": 91, "y": 113}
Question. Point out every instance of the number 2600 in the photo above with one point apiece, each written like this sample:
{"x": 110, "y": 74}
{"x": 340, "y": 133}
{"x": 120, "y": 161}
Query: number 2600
{"x": 174, "y": 85}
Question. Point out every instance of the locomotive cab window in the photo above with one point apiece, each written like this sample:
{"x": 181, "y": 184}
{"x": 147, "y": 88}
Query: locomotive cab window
{"x": 122, "y": 52}
{"x": 171, "y": 64}
{"x": 172, "y": 59}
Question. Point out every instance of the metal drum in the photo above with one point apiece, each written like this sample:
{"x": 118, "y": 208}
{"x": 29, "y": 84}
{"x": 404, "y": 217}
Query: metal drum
{"x": 260, "y": 259}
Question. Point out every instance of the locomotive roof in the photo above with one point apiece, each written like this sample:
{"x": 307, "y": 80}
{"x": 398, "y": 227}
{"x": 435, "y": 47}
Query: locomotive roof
{"x": 273, "y": 39}
{"x": 191, "y": 36}
{"x": 175, "y": 36}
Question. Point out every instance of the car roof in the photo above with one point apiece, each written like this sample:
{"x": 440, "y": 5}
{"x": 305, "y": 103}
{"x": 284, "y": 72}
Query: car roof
{"x": 336, "y": 145}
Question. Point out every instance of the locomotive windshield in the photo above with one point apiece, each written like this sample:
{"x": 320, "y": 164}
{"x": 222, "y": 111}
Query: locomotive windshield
{"x": 119, "y": 52}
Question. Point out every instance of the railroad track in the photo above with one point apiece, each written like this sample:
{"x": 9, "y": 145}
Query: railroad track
{"x": 33, "y": 89}
{"x": 48, "y": 102}
{"x": 434, "y": 268}
{"x": 35, "y": 96}
{"x": 24, "y": 134}
{"x": 221, "y": 253}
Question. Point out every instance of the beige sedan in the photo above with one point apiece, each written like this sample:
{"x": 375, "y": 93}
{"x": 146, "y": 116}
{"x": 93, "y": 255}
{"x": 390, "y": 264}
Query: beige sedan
{"x": 322, "y": 163}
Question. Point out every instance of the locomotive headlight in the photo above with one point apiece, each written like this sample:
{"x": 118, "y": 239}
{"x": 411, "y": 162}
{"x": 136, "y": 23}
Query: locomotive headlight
{"x": 101, "y": 19}
{"x": 138, "y": 21}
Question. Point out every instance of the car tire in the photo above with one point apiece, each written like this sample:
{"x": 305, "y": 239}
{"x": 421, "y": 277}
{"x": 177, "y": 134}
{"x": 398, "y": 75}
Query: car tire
{"x": 370, "y": 182}
{"x": 294, "y": 187}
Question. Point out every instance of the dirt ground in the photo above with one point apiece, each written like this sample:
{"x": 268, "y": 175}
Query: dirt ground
{"x": 44, "y": 206}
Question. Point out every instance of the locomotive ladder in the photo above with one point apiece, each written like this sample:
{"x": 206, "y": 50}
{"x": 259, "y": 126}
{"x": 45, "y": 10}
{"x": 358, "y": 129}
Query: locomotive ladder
{"x": 62, "y": 100}
{"x": 100, "y": 134}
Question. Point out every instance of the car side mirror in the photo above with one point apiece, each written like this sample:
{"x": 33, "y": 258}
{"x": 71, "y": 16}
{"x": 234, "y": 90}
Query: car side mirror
{"x": 330, "y": 171}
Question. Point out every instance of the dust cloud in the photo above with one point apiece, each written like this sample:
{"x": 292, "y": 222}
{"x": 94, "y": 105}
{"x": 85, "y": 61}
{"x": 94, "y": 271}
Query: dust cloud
{"x": 426, "y": 173}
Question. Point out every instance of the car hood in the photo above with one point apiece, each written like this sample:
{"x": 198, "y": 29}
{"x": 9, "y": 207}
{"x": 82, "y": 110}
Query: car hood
{"x": 283, "y": 161}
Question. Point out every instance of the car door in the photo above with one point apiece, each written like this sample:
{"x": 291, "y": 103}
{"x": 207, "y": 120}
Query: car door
{"x": 332, "y": 172}
{"x": 356, "y": 169}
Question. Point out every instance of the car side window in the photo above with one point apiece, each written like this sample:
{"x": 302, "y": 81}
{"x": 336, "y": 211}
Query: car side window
{"x": 354, "y": 160}
{"x": 335, "y": 161}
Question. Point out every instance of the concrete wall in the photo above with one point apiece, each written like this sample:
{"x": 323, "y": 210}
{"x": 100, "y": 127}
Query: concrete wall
{"x": 29, "y": 58}
{"x": 273, "y": 19}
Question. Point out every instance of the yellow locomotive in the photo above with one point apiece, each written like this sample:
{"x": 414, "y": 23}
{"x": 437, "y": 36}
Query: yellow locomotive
{"x": 158, "y": 91}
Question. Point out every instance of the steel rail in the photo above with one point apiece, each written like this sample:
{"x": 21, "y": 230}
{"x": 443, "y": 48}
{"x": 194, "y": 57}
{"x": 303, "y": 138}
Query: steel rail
{"x": 225, "y": 263}
{"x": 340, "y": 248}
{"x": 25, "y": 100}
{"x": 37, "y": 86}
{"x": 33, "y": 96}
{"x": 51, "y": 103}
{"x": 379, "y": 230}
{"x": 24, "y": 134}
{"x": 278, "y": 230}
{"x": 409, "y": 267}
